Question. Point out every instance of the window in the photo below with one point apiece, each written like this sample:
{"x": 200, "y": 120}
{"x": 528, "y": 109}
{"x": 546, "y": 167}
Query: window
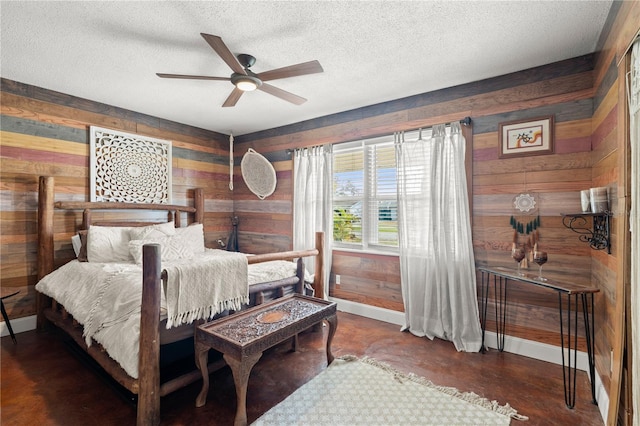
{"x": 365, "y": 210}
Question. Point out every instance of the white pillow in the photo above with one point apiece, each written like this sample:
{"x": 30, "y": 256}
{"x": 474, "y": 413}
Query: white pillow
{"x": 172, "y": 247}
{"x": 108, "y": 244}
{"x": 194, "y": 236}
{"x": 152, "y": 231}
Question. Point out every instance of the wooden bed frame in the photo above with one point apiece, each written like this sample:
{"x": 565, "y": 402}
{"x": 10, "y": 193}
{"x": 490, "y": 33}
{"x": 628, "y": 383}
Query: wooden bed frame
{"x": 148, "y": 386}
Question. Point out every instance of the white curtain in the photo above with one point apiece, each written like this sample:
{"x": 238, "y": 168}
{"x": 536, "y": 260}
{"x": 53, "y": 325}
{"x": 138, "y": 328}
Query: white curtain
{"x": 312, "y": 204}
{"x": 634, "y": 125}
{"x": 437, "y": 265}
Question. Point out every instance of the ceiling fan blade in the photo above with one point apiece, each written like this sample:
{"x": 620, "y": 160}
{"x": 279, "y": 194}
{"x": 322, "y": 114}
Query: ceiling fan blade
{"x": 282, "y": 94}
{"x": 305, "y": 68}
{"x": 232, "y": 100}
{"x": 223, "y": 51}
{"x": 191, "y": 77}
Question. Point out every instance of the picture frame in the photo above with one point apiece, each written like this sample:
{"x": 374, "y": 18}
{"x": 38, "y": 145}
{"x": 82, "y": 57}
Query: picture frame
{"x": 523, "y": 138}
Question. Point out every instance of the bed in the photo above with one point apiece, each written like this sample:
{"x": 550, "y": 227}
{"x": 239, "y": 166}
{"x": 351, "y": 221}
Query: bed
{"x": 151, "y": 277}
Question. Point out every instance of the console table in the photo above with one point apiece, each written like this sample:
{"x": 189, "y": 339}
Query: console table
{"x": 243, "y": 336}
{"x": 574, "y": 293}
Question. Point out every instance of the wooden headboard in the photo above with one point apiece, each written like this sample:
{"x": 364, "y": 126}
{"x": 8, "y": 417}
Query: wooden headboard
{"x": 47, "y": 205}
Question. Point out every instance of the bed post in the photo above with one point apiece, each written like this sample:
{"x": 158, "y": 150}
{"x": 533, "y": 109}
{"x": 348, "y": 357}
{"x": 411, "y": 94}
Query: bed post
{"x": 198, "y": 203}
{"x": 86, "y": 219}
{"x": 300, "y": 273}
{"x": 318, "y": 280}
{"x": 149, "y": 360}
{"x": 46, "y": 195}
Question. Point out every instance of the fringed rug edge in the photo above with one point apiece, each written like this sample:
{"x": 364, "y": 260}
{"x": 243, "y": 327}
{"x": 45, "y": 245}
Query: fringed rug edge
{"x": 469, "y": 397}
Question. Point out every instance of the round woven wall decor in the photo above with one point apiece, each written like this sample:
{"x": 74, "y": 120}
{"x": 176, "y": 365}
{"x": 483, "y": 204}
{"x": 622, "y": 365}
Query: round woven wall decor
{"x": 258, "y": 174}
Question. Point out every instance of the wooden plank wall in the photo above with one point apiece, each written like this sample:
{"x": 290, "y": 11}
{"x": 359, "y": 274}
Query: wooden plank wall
{"x": 47, "y": 133}
{"x": 265, "y": 226}
{"x": 610, "y": 168}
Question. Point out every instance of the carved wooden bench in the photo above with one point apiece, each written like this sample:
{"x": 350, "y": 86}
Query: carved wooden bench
{"x": 244, "y": 336}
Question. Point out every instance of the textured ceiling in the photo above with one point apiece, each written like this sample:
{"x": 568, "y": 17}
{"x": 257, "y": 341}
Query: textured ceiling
{"x": 371, "y": 52}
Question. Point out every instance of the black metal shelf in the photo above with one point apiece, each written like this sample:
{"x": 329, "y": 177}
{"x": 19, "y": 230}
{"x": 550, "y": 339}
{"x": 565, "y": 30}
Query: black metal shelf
{"x": 596, "y": 233}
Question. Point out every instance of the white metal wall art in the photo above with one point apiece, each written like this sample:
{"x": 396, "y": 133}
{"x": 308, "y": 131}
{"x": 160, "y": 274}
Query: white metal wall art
{"x": 129, "y": 168}
{"x": 258, "y": 174}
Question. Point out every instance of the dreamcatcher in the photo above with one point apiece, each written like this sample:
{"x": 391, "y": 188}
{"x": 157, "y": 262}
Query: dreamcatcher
{"x": 526, "y": 229}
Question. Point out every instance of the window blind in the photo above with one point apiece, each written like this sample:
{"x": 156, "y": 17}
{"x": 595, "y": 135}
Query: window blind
{"x": 365, "y": 200}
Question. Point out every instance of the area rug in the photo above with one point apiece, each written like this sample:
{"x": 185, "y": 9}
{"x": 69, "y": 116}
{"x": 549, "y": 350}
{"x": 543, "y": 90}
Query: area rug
{"x": 354, "y": 391}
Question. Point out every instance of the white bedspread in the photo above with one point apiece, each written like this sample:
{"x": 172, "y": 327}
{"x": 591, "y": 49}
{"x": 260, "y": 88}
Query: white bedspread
{"x": 105, "y": 298}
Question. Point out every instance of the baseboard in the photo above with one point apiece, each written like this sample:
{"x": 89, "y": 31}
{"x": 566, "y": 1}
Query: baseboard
{"x": 515, "y": 345}
{"x": 19, "y": 325}
{"x": 536, "y": 350}
{"x": 373, "y": 312}
{"x": 603, "y": 399}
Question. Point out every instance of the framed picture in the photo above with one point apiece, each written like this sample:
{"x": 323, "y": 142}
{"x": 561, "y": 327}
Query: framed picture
{"x": 524, "y": 138}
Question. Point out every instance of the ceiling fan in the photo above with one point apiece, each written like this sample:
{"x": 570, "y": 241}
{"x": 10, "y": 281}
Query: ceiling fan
{"x": 246, "y": 80}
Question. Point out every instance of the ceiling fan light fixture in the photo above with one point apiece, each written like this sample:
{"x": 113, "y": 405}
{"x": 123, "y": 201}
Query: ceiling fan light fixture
{"x": 246, "y": 86}
{"x": 246, "y": 83}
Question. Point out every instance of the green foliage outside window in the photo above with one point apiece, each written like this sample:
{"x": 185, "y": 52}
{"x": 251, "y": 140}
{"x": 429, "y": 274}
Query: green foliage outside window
{"x": 343, "y": 225}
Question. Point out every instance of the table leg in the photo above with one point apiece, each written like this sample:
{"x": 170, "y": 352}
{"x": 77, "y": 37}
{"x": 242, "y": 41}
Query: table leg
{"x": 241, "y": 370}
{"x": 6, "y": 317}
{"x": 333, "y": 325}
{"x": 202, "y": 358}
{"x": 500, "y": 294}
{"x": 484, "y": 292}
{"x": 500, "y": 303}
{"x": 569, "y": 367}
{"x": 589, "y": 331}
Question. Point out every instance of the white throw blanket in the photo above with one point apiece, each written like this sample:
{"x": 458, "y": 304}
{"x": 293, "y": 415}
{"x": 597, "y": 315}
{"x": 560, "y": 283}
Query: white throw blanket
{"x": 202, "y": 287}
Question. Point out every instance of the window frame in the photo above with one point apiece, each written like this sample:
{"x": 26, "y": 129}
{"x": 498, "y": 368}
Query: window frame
{"x": 369, "y": 217}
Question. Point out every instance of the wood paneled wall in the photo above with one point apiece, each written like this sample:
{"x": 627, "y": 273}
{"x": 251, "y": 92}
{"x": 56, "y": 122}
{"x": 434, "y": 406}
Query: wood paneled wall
{"x": 47, "y": 133}
{"x": 610, "y": 168}
{"x": 265, "y": 225}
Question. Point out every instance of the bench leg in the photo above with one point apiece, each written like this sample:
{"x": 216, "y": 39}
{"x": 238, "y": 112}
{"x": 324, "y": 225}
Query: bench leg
{"x": 202, "y": 357}
{"x": 333, "y": 325}
{"x": 241, "y": 370}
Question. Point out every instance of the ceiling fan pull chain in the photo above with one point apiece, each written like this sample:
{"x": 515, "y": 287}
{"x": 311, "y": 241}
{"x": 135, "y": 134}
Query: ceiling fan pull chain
{"x": 231, "y": 161}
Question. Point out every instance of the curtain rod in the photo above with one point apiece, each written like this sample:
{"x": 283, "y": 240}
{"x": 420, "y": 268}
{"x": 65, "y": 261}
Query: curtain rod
{"x": 465, "y": 121}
